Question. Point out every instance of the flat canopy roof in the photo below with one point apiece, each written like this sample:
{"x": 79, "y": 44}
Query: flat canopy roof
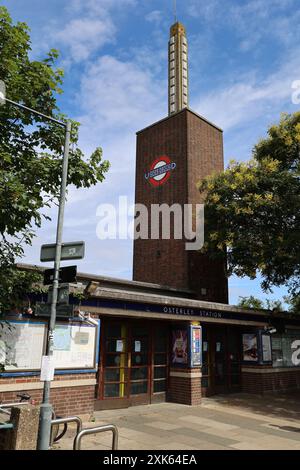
{"x": 111, "y": 296}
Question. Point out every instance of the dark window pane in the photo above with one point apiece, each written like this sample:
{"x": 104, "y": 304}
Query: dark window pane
{"x": 115, "y": 390}
{"x": 139, "y": 373}
{"x": 160, "y": 372}
{"x": 139, "y": 331}
{"x": 115, "y": 375}
{"x": 114, "y": 331}
{"x": 235, "y": 379}
{"x": 115, "y": 360}
{"x": 205, "y": 369}
{"x": 159, "y": 386}
{"x": 139, "y": 359}
{"x": 235, "y": 368}
{"x": 160, "y": 359}
{"x": 160, "y": 341}
{"x": 138, "y": 387}
{"x": 220, "y": 373}
{"x": 205, "y": 382}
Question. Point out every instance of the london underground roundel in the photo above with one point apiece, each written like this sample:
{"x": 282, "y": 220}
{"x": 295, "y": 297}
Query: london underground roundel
{"x": 160, "y": 171}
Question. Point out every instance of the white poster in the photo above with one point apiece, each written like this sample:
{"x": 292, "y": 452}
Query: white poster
{"x": 266, "y": 346}
{"x": 47, "y": 369}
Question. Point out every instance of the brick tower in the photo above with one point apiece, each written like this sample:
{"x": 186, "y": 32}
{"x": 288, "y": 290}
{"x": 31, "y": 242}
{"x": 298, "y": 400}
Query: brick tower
{"x": 173, "y": 155}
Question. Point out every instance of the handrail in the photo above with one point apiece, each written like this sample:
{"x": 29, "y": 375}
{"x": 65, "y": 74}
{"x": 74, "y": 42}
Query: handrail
{"x": 6, "y": 426}
{"x": 106, "y": 427}
{"x": 3, "y": 406}
{"x": 70, "y": 419}
{"x": 11, "y": 405}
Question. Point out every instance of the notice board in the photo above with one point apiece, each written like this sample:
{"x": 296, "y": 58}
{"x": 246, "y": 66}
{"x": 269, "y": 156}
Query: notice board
{"x": 75, "y": 346}
{"x": 23, "y": 343}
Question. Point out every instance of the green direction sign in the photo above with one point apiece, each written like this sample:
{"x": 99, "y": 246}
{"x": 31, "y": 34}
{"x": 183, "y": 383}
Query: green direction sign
{"x": 69, "y": 251}
{"x": 62, "y": 311}
{"x": 2, "y": 92}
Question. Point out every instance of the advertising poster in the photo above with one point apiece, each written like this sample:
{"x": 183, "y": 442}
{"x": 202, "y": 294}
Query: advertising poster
{"x": 250, "y": 352}
{"x": 179, "y": 347}
{"x": 196, "y": 346}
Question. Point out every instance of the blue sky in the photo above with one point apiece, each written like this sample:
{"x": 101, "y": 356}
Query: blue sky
{"x": 243, "y": 56}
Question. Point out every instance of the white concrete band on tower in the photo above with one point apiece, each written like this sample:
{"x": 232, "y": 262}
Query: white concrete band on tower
{"x": 178, "y": 69}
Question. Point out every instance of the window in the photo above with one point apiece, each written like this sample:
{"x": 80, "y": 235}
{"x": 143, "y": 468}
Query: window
{"x": 160, "y": 360}
{"x": 286, "y": 349}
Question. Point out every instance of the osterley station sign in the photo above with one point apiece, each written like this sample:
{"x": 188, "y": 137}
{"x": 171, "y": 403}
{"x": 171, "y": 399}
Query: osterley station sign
{"x": 179, "y": 311}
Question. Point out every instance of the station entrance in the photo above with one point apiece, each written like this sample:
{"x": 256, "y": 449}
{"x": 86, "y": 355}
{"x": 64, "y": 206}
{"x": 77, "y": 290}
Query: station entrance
{"x": 221, "y": 359}
{"x": 134, "y": 363}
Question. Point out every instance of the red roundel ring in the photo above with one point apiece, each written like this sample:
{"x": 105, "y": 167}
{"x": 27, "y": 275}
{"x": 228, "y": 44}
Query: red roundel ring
{"x": 160, "y": 171}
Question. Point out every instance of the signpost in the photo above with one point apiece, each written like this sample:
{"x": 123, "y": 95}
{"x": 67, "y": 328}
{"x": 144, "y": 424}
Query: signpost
{"x": 69, "y": 251}
{"x": 66, "y": 274}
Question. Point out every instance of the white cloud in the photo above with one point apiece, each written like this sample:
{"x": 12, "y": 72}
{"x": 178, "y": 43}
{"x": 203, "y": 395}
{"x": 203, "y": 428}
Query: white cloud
{"x": 84, "y": 36}
{"x": 120, "y": 95}
{"x": 154, "y": 16}
{"x": 245, "y": 101}
{"x": 91, "y": 26}
{"x": 252, "y": 20}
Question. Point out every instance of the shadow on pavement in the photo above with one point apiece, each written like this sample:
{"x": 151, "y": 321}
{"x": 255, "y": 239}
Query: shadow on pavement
{"x": 285, "y": 405}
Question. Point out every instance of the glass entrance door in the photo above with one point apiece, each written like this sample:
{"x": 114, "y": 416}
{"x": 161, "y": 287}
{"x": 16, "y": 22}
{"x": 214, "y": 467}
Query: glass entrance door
{"x": 140, "y": 360}
{"x": 221, "y": 354}
{"x": 134, "y": 363}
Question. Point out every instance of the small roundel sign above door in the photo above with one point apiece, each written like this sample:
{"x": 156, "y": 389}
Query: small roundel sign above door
{"x": 160, "y": 171}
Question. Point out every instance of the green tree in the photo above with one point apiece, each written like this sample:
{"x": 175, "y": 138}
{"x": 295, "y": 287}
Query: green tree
{"x": 250, "y": 302}
{"x": 31, "y": 152}
{"x": 258, "y": 304}
{"x": 252, "y": 210}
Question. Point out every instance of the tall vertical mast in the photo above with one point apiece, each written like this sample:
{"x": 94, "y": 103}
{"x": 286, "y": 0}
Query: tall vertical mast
{"x": 178, "y": 69}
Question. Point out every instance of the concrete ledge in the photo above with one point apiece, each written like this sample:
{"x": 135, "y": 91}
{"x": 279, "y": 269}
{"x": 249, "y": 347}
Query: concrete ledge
{"x": 274, "y": 370}
{"x": 186, "y": 375}
{"x": 15, "y": 387}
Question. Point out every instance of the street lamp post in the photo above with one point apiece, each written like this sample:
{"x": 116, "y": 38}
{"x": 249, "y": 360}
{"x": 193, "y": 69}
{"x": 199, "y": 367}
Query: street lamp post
{"x": 46, "y": 407}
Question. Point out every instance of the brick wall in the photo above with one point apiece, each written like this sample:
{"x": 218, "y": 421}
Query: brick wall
{"x": 266, "y": 379}
{"x": 196, "y": 147}
{"x": 183, "y": 387}
{"x": 78, "y": 400}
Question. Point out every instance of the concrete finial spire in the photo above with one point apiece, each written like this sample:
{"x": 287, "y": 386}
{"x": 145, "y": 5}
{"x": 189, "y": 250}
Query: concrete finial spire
{"x": 178, "y": 68}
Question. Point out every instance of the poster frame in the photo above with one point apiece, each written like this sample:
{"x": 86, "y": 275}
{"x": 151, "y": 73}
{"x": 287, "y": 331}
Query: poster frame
{"x": 60, "y": 371}
{"x": 192, "y": 363}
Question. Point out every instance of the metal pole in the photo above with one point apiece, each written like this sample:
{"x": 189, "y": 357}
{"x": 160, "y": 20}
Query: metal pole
{"x": 21, "y": 106}
{"x": 104, "y": 428}
{"x": 46, "y": 407}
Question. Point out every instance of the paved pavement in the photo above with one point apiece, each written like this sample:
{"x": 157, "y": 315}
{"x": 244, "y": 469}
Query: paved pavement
{"x": 225, "y": 422}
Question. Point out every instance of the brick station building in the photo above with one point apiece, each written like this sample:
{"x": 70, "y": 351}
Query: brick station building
{"x": 147, "y": 350}
{"x": 169, "y": 334}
